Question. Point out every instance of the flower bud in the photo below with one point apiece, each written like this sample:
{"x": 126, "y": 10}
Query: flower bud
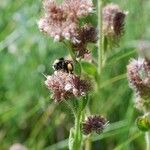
{"x": 143, "y": 122}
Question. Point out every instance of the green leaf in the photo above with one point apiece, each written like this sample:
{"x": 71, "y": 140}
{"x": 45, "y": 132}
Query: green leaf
{"x": 89, "y": 68}
{"x": 77, "y": 68}
{"x": 84, "y": 101}
{"x": 71, "y": 139}
{"x": 105, "y": 43}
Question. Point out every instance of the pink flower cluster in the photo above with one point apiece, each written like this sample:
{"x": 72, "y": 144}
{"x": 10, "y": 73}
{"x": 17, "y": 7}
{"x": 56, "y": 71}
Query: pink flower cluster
{"x": 113, "y": 20}
{"x": 61, "y": 21}
{"x": 65, "y": 85}
{"x": 139, "y": 77}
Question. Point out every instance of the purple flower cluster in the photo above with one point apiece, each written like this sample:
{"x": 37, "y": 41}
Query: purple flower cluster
{"x": 94, "y": 123}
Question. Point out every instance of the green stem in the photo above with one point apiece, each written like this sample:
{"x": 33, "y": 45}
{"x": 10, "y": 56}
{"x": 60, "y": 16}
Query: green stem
{"x": 147, "y": 134}
{"x": 78, "y": 135}
{"x": 100, "y": 35}
{"x": 147, "y": 138}
{"x": 88, "y": 143}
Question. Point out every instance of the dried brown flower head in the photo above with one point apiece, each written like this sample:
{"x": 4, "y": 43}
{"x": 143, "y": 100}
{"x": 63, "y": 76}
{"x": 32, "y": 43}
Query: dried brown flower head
{"x": 65, "y": 85}
{"x": 86, "y": 34}
{"x": 139, "y": 77}
{"x": 94, "y": 123}
{"x": 61, "y": 21}
{"x": 113, "y": 22}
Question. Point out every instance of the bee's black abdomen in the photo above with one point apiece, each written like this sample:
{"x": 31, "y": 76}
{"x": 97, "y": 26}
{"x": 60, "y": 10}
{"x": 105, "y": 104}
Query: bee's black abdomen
{"x": 57, "y": 66}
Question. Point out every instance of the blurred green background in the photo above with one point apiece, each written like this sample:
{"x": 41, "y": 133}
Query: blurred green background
{"x": 29, "y": 116}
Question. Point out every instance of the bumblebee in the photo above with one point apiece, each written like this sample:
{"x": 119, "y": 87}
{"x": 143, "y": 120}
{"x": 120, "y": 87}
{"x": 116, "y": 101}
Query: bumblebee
{"x": 62, "y": 64}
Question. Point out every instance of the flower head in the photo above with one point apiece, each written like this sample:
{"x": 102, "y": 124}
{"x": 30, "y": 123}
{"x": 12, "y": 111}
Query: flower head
{"x": 61, "y": 21}
{"x": 113, "y": 22}
{"x": 55, "y": 22}
{"x": 87, "y": 34}
{"x": 139, "y": 77}
{"x": 94, "y": 123}
{"x": 65, "y": 85}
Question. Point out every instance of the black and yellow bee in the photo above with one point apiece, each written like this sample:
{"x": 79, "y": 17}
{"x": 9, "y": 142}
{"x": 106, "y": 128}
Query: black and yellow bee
{"x": 62, "y": 64}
